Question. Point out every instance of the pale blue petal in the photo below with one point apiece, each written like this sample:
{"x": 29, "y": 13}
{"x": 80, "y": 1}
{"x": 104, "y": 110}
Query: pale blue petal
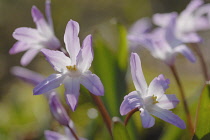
{"x": 72, "y": 87}
{"x": 93, "y": 83}
{"x": 50, "y": 135}
{"x": 57, "y": 59}
{"x": 146, "y": 119}
{"x": 51, "y": 82}
{"x": 168, "y": 116}
{"x": 28, "y": 56}
{"x": 130, "y": 102}
{"x": 19, "y": 46}
{"x": 167, "y": 101}
{"x": 137, "y": 73}
{"x": 71, "y": 40}
{"x": 85, "y": 56}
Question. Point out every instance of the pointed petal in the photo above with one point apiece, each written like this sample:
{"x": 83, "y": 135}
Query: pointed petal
{"x": 48, "y": 13}
{"x": 85, "y": 56}
{"x": 57, "y": 59}
{"x": 141, "y": 26}
{"x": 157, "y": 87}
{"x": 146, "y": 119}
{"x": 184, "y": 50}
{"x": 168, "y": 116}
{"x": 168, "y": 101}
{"x": 193, "y": 5}
{"x": 27, "y": 35}
{"x": 72, "y": 86}
{"x": 137, "y": 73}
{"x": 71, "y": 40}
{"x": 51, "y": 82}
{"x": 93, "y": 83}
{"x": 50, "y": 135}
{"x": 191, "y": 38}
{"x": 19, "y": 46}
{"x": 27, "y": 75}
{"x": 163, "y": 19}
{"x": 41, "y": 23}
{"x": 28, "y": 56}
{"x": 170, "y": 34}
{"x": 164, "y": 82}
{"x": 131, "y": 101}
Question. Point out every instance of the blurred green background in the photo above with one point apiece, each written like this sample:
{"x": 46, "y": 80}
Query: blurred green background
{"x": 25, "y": 117}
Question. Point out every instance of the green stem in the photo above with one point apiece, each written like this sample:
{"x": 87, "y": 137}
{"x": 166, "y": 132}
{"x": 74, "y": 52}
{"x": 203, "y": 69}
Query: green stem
{"x": 186, "y": 108}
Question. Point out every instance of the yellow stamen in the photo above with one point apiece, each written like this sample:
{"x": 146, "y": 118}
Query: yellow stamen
{"x": 154, "y": 99}
{"x": 71, "y": 68}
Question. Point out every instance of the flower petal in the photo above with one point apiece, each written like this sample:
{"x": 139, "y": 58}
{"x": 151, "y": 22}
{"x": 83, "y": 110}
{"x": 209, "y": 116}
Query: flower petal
{"x": 168, "y": 116}
{"x": 137, "y": 73}
{"x": 19, "y": 46}
{"x": 85, "y": 56}
{"x": 71, "y": 40}
{"x": 146, "y": 119}
{"x": 27, "y": 35}
{"x": 72, "y": 86}
{"x": 163, "y": 19}
{"x": 40, "y": 21}
{"x": 131, "y": 101}
{"x": 193, "y": 5}
{"x": 157, "y": 87}
{"x": 51, "y": 82}
{"x": 50, "y": 135}
{"x": 57, "y": 59}
{"x": 28, "y": 56}
{"x": 184, "y": 50}
{"x": 27, "y": 75}
{"x": 93, "y": 83}
{"x": 48, "y": 13}
{"x": 141, "y": 26}
{"x": 168, "y": 101}
{"x": 58, "y": 111}
{"x": 191, "y": 38}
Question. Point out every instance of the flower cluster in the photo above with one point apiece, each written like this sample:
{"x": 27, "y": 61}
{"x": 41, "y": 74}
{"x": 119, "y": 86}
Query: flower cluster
{"x": 172, "y": 36}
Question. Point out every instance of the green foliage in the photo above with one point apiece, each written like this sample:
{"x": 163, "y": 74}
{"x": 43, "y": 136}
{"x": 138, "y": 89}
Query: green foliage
{"x": 202, "y": 131}
{"x": 119, "y": 131}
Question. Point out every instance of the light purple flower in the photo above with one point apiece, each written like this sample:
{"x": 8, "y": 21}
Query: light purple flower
{"x": 51, "y": 135}
{"x": 150, "y": 100}
{"x": 73, "y": 70}
{"x": 161, "y": 49}
{"x": 184, "y": 26}
{"x": 137, "y": 32}
{"x": 33, "y": 40}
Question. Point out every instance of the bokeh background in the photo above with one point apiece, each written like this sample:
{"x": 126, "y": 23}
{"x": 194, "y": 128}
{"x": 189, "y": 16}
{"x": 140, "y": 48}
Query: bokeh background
{"x": 24, "y": 116}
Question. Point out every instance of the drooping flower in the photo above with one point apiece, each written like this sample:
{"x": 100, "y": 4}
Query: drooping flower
{"x": 73, "y": 70}
{"x": 51, "y": 135}
{"x": 33, "y": 40}
{"x": 150, "y": 100}
{"x": 56, "y": 108}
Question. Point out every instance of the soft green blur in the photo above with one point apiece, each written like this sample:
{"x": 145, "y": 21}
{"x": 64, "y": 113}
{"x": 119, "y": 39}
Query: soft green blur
{"x": 25, "y": 117}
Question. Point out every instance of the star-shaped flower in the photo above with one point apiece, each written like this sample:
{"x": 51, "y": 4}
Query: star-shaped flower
{"x": 73, "y": 70}
{"x": 150, "y": 100}
{"x": 33, "y": 40}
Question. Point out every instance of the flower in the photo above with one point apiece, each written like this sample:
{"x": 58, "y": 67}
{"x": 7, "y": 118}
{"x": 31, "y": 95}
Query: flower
{"x": 56, "y": 108}
{"x": 184, "y": 26}
{"x": 73, "y": 70}
{"x": 137, "y": 32}
{"x": 33, "y": 40}
{"x": 150, "y": 100}
{"x": 51, "y": 135}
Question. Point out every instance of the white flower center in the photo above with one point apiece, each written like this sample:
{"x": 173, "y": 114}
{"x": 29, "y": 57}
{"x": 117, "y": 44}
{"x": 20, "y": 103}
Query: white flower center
{"x": 150, "y": 100}
{"x": 73, "y": 71}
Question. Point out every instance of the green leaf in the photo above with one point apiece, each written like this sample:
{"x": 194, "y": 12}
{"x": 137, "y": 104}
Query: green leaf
{"x": 123, "y": 47}
{"x": 119, "y": 131}
{"x": 202, "y": 130}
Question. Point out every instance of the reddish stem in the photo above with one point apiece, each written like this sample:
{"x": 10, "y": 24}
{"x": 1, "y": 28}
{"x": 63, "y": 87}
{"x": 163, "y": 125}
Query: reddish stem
{"x": 104, "y": 113}
{"x": 186, "y": 108}
{"x": 129, "y": 115}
